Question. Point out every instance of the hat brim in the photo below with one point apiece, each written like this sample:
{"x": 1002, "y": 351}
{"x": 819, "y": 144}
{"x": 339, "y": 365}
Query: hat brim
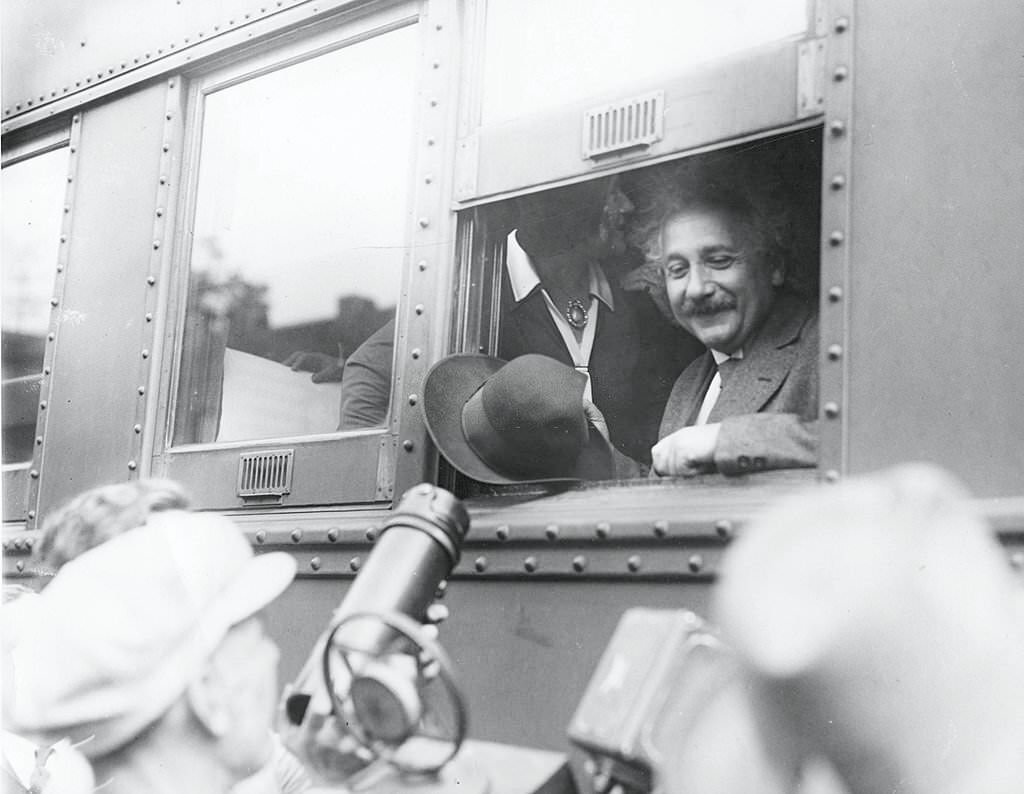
{"x": 263, "y": 579}
{"x": 449, "y": 385}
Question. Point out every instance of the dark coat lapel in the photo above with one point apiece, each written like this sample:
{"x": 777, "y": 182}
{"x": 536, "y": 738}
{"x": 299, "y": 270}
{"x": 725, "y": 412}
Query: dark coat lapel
{"x": 766, "y": 364}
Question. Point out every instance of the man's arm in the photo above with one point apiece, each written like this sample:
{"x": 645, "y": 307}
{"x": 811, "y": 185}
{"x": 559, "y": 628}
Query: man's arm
{"x": 739, "y": 445}
{"x": 757, "y": 442}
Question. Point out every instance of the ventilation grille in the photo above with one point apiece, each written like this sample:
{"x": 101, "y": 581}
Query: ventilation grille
{"x": 265, "y": 473}
{"x": 637, "y": 121}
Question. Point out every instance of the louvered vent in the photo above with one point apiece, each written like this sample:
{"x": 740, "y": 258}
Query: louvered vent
{"x": 637, "y": 121}
{"x": 265, "y": 473}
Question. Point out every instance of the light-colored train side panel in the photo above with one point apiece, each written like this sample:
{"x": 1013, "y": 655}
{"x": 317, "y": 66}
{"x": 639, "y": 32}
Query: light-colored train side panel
{"x": 936, "y": 243}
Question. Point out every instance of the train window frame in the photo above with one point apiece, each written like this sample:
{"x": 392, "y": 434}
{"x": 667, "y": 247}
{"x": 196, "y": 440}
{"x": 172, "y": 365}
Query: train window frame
{"x": 20, "y": 478}
{"x": 481, "y": 259}
{"x": 352, "y": 467}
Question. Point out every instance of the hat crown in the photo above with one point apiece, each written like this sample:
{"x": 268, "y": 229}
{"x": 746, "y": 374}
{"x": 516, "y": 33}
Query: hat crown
{"x": 534, "y": 421}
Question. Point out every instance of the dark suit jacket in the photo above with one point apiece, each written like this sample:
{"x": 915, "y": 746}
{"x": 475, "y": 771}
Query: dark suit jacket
{"x": 636, "y": 358}
{"x": 769, "y": 406}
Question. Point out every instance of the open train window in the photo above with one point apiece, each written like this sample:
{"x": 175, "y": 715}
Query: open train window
{"x": 591, "y": 274}
{"x": 33, "y": 189}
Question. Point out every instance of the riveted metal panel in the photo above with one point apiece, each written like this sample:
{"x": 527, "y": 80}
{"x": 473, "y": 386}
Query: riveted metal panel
{"x": 95, "y": 388}
{"x": 937, "y": 191}
{"x": 59, "y": 54}
{"x": 735, "y": 97}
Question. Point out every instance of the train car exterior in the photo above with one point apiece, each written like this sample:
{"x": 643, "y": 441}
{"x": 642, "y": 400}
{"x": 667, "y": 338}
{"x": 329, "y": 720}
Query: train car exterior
{"x": 197, "y": 190}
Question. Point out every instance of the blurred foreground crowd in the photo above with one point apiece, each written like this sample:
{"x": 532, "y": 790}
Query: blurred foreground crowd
{"x": 878, "y": 632}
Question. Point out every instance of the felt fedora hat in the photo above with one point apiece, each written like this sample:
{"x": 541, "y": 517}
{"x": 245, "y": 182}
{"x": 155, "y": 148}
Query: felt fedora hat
{"x": 513, "y": 422}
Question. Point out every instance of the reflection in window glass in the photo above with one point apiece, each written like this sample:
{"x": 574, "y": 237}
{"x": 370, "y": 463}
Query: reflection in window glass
{"x": 298, "y": 243}
{"x": 541, "y": 55}
{"x": 33, "y": 193}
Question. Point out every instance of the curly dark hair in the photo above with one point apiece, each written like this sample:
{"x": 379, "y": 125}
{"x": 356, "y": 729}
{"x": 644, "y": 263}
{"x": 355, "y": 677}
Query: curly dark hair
{"x": 99, "y": 514}
{"x": 736, "y": 188}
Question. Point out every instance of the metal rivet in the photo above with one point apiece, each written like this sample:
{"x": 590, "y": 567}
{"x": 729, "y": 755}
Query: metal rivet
{"x": 603, "y": 530}
{"x": 695, "y": 563}
{"x": 132, "y": 465}
{"x": 480, "y": 564}
{"x": 296, "y": 535}
{"x": 29, "y": 542}
{"x": 835, "y": 352}
{"x": 433, "y": 103}
{"x": 416, "y": 353}
{"x": 724, "y": 528}
{"x": 151, "y": 280}
{"x": 422, "y": 265}
{"x": 408, "y": 446}
{"x": 837, "y": 128}
{"x": 530, "y": 564}
{"x": 428, "y": 179}
{"x": 660, "y": 528}
{"x": 419, "y": 308}
{"x": 54, "y": 301}
{"x": 60, "y": 268}
{"x": 70, "y": 178}
{"x": 840, "y": 74}
{"x": 156, "y": 245}
{"x": 261, "y": 536}
{"x": 413, "y": 399}
{"x": 424, "y": 222}
{"x": 439, "y": 26}
{"x": 633, "y": 563}
{"x": 842, "y": 24}
{"x": 838, "y": 182}
{"x": 502, "y": 532}
{"x": 145, "y": 354}
{"x": 315, "y": 563}
{"x": 836, "y": 238}
{"x": 831, "y": 410}
{"x": 51, "y": 336}
{"x": 39, "y": 440}
{"x": 141, "y": 390}
{"x": 46, "y": 370}
{"x": 20, "y": 565}
{"x": 42, "y": 405}
{"x": 67, "y": 209}
{"x": 442, "y": 588}
{"x": 579, "y": 563}
{"x": 371, "y": 534}
{"x": 832, "y": 476}
{"x": 160, "y": 212}
{"x": 63, "y": 238}
{"x": 436, "y": 64}
{"x": 137, "y": 429}
{"x": 355, "y": 564}
{"x": 333, "y": 534}
{"x": 149, "y": 317}
{"x": 835, "y": 294}
{"x": 551, "y": 531}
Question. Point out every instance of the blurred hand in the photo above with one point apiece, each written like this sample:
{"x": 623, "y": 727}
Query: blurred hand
{"x": 325, "y": 368}
{"x": 686, "y": 452}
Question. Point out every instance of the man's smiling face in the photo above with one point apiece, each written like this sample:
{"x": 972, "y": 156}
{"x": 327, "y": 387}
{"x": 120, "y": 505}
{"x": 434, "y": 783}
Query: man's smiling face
{"x": 719, "y": 286}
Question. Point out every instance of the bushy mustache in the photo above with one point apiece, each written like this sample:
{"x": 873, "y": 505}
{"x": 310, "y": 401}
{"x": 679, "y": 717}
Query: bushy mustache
{"x": 709, "y": 305}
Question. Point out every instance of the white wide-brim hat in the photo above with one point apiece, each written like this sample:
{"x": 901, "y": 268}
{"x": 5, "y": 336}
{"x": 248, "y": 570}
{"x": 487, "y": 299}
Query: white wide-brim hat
{"x": 120, "y": 632}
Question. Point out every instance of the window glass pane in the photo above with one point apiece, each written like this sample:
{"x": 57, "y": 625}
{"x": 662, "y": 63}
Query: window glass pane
{"x": 632, "y": 280}
{"x": 540, "y": 55}
{"x": 298, "y": 242}
{"x": 33, "y": 192}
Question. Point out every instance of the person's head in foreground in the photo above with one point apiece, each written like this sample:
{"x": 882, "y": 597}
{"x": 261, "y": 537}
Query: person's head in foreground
{"x": 881, "y": 630}
{"x": 99, "y": 514}
{"x": 148, "y": 652}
